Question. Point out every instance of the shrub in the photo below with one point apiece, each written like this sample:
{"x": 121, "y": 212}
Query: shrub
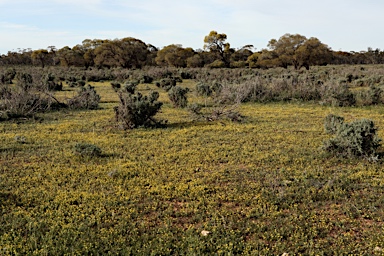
{"x": 136, "y": 110}
{"x": 115, "y": 86}
{"x": 195, "y": 110}
{"x": 178, "y": 96}
{"x": 50, "y": 83}
{"x": 187, "y": 75}
{"x": 24, "y": 80}
{"x": 19, "y": 102}
{"x": 344, "y": 97}
{"x": 87, "y": 98}
{"x": 355, "y": 139}
{"x": 332, "y": 123}
{"x": 166, "y": 83}
{"x": 130, "y": 86}
{"x": 146, "y": 79}
{"x": 375, "y": 94}
{"x": 203, "y": 89}
{"x": 9, "y": 75}
{"x": 87, "y": 150}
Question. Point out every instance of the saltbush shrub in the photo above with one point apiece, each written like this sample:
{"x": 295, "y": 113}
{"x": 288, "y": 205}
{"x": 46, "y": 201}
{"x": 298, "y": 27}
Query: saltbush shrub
{"x": 130, "y": 86}
{"x": 145, "y": 79}
{"x": 87, "y": 150}
{"x": 343, "y": 97}
{"x": 203, "y": 89}
{"x": 332, "y": 123}
{"x": 49, "y": 82}
{"x": 24, "y": 80}
{"x": 8, "y": 76}
{"x": 115, "y": 86}
{"x": 18, "y": 102}
{"x": 87, "y": 98}
{"x": 136, "y": 110}
{"x": 355, "y": 139}
{"x": 168, "y": 83}
{"x": 178, "y": 96}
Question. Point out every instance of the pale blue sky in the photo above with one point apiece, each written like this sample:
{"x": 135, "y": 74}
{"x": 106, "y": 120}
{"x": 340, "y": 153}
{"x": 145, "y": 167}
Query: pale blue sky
{"x": 349, "y": 25}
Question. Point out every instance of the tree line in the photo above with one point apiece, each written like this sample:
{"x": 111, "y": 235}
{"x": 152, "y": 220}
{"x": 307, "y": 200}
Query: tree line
{"x": 289, "y": 50}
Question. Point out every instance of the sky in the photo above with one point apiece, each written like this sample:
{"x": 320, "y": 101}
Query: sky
{"x": 347, "y": 25}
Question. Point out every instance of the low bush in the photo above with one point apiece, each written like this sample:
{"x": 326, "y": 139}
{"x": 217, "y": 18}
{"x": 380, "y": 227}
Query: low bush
{"x": 130, "y": 86}
{"x": 18, "y": 102}
{"x": 136, "y": 110}
{"x": 355, "y": 139}
{"x": 332, "y": 123}
{"x": 168, "y": 83}
{"x": 87, "y": 98}
{"x": 49, "y": 83}
{"x": 87, "y": 150}
{"x": 178, "y": 96}
{"x": 203, "y": 89}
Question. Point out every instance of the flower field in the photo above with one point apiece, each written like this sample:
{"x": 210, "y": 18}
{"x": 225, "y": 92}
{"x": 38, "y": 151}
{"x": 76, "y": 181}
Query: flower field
{"x": 259, "y": 187}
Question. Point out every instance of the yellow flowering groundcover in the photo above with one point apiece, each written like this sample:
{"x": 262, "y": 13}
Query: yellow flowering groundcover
{"x": 262, "y": 186}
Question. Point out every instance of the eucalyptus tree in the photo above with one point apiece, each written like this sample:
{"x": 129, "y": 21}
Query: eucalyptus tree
{"x": 216, "y": 44}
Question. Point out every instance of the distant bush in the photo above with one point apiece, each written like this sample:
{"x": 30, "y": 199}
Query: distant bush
{"x": 130, "y": 86}
{"x": 8, "y": 76}
{"x": 204, "y": 89}
{"x": 24, "y": 80}
{"x": 115, "y": 86}
{"x": 49, "y": 82}
{"x": 187, "y": 75}
{"x": 136, "y": 110}
{"x": 178, "y": 96}
{"x": 217, "y": 64}
{"x": 166, "y": 83}
{"x": 87, "y": 150}
{"x": 355, "y": 139}
{"x": 145, "y": 79}
{"x": 87, "y": 98}
{"x": 337, "y": 95}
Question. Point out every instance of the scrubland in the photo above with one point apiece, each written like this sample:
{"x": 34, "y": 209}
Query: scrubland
{"x": 262, "y": 186}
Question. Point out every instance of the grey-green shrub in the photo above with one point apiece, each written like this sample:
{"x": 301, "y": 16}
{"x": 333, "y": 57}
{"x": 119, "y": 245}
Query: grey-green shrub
{"x": 203, "y": 89}
{"x": 136, "y": 110}
{"x": 87, "y": 98}
{"x": 178, "y": 96}
{"x": 355, "y": 139}
{"x": 87, "y": 150}
{"x": 332, "y": 123}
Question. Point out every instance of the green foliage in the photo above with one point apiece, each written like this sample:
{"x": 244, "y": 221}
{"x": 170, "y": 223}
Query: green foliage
{"x": 332, "y": 123}
{"x": 87, "y": 150}
{"x": 355, "y": 139}
{"x": 178, "y": 96}
{"x": 136, "y": 110}
{"x": 87, "y": 98}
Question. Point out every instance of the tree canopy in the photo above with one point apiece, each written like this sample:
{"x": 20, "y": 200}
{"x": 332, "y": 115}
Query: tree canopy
{"x": 289, "y": 50}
